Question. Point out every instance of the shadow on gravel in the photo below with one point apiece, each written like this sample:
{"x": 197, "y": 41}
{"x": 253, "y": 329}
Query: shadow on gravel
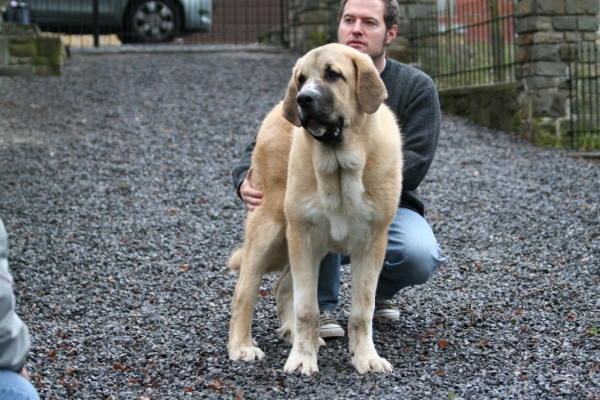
{"x": 115, "y": 190}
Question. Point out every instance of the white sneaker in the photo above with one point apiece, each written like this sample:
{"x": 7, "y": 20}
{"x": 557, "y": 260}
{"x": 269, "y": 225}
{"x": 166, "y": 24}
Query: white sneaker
{"x": 386, "y": 310}
{"x": 329, "y": 327}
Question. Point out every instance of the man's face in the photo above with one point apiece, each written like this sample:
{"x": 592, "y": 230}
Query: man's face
{"x": 363, "y": 28}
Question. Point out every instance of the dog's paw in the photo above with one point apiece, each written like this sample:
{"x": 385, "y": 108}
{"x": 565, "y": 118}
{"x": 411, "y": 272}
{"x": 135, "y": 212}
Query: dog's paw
{"x": 285, "y": 333}
{"x": 372, "y": 364}
{"x": 305, "y": 364}
{"x": 250, "y": 353}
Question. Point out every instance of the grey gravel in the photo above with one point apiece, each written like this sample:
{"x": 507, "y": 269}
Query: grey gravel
{"x": 115, "y": 189}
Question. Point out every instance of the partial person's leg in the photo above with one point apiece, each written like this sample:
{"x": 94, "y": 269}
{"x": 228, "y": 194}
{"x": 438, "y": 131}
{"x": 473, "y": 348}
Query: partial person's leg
{"x": 328, "y": 289}
{"x": 412, "y": 256}
{"x": 14, "y": 387}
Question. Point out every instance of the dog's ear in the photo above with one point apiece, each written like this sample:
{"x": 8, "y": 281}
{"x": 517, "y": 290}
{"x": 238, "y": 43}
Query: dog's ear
{"x": 290, "y": 105}
{"x": 370, "y": 90}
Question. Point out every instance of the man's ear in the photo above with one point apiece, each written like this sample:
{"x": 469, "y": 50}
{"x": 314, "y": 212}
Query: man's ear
{"x": 370, "y": 90}
{"x": 290, "y": 105}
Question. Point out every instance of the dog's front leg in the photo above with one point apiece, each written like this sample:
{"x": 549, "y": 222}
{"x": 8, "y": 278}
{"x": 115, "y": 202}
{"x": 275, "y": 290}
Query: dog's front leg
{"x": 366, "y": 266}
{"x": 304, "y": 263}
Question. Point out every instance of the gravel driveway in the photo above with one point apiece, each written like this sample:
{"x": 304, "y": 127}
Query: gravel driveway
{"x": 115, "y": 190}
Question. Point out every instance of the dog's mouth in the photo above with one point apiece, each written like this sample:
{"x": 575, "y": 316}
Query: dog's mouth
{"x": 323, "y": 132}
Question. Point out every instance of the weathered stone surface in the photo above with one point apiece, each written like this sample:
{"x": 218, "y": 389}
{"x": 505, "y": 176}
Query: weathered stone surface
{"x": 550, "y": 7}
{"x": 572, "y": 36}
{"x": 548, "y": 103}
{"x": 547, "y": 37}
{"x": 576, "y": 6}
{"x": 523, "y": 54}
{"x": 16, "y": 70}
{"x": 567, "y": 52}
{"x": 540, "y": 82}
{"x": 549, "y": 68}
{"x": 533, "y": 24}
{"x": 589, "y": 36}
{"x": 564, "y": 23}
{"x": 587, "y": 23}
{"x": 593, "y": 7}
{"x": 49, "y": 46}
{"x": 22, "y": 47}
{"x": 3, "y": 50}
{"x": 525, "y": 38}
{"x": 494, "y": 106}
{"x": 544, "y": 52}
{"x": 524, "y": 8}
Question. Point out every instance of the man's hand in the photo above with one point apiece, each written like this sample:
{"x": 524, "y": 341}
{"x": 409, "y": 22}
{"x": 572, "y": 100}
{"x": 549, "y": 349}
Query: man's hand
{"x": 24, "y": 373}
{"x": 251, "y": 197}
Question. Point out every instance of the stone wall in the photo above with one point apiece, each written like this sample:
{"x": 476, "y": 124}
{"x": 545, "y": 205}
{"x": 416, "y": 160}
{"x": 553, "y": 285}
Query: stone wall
{"x": 24, "y": 52}
{"x": 494, "y": 106}
{"x": 548, "y": 33}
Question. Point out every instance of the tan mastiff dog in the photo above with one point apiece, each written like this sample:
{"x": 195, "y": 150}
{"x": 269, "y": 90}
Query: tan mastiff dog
{"x": 328, "y": 160}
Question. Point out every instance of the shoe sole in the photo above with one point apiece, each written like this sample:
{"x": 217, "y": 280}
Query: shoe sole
{"x": 331, "y": 333}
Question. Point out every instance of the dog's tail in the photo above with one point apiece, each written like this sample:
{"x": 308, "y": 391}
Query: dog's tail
{"x": 235, "y": 261}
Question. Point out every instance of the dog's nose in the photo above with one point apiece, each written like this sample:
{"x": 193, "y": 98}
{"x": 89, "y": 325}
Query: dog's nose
{"x": 305, "y": 99}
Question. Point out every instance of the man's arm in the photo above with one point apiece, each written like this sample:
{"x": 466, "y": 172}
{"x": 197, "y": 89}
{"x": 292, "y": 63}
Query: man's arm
{"x": 242, "y": 179}
{"x": 14, "y": 335}
{"x": 420, "y": 131}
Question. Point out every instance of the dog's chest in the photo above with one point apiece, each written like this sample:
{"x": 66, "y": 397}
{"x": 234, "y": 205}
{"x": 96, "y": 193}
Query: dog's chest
{"x": 339, "y": 208}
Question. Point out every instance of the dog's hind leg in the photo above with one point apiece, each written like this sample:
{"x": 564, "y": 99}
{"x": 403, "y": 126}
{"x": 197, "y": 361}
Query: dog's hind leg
{"x": 284, "y": 297}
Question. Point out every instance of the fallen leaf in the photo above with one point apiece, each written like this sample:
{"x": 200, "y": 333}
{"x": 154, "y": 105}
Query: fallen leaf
{"x": 264, "y": 293}
{"x": 70, "y": 371}
{"x": 443, "y": 343}
{"x": 482, "y": 343}
{"x": 216, "y": 385}
{"x": 440, "y": 372}
{"x": 239, "y": 395}
{"x": 184, "y": 268}
{"x": 188, "y": 390}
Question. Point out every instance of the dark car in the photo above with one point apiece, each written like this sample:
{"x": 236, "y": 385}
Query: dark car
{"x": 133, "y": 21}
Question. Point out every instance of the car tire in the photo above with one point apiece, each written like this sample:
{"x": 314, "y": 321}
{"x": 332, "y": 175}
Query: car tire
{"x": 151, "y": 21}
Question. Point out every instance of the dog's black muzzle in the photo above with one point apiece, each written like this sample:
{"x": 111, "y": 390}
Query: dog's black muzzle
{"x": 316, "y": 116}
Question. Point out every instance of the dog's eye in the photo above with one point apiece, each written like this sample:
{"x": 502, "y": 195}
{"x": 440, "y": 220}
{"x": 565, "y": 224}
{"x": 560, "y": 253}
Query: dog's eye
{"x": 301, "y": 79}
{"x": 332, "y": 75}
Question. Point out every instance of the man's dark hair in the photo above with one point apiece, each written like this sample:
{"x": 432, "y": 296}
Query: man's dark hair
{"x": 390, "y": 15}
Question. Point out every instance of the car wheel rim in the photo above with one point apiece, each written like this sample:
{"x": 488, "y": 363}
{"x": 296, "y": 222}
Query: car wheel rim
{"x": 154, "y": 20}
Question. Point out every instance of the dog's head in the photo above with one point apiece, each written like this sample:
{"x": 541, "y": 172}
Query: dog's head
{"x": 330, "y": 86}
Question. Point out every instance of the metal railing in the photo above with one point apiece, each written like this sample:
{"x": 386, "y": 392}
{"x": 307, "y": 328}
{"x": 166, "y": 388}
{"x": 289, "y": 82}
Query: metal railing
{"x": 114, "y": 22}
{"x": 584, "y": 85}
{"x": 465, "y": 43}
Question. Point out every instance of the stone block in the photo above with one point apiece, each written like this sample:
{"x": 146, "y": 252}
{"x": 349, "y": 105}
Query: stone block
{"x": 550, "y": 68}
{"x": 544, "y": 52}
{"x": 550, "y": 7}
{"x": 4, "y": 50}
{"x": 572, "y": 37}
{"x": 314, "y": 17}
{"x": 564, "y": 23}
{"x": 547, "y": 37}
{"x": 16, "y": 70}
{"x": 525, "y": 8}
{"x": 589, "y": 36}
{"x": 540, "y": 82}
{"x": 548, "y": 103}
{"x": 533, "y": 24}
{"x": 587, "y": 23}
{"x": 523, "y": 54}
{"x": 525, "y": 38}
{"x": 576, "y": 6}
{"x": 546, "y": 132}
{"x": 22, "y": 47}
{"x": 593, "y": 7}
{"x": 50, "y": 46}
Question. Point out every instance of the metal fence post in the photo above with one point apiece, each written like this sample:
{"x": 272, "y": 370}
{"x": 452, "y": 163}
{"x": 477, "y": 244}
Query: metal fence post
{"x": 96, "y": 27}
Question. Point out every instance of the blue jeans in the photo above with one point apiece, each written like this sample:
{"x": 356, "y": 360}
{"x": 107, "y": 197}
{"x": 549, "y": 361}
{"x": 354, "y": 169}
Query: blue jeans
{"x": 411, "y": 258}
{"x": 14, "y": 387}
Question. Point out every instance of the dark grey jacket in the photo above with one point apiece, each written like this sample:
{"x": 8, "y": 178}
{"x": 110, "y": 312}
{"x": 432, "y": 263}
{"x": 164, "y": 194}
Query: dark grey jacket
{"x": 14, "y": 335}
{"x": 413, "y": 97}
